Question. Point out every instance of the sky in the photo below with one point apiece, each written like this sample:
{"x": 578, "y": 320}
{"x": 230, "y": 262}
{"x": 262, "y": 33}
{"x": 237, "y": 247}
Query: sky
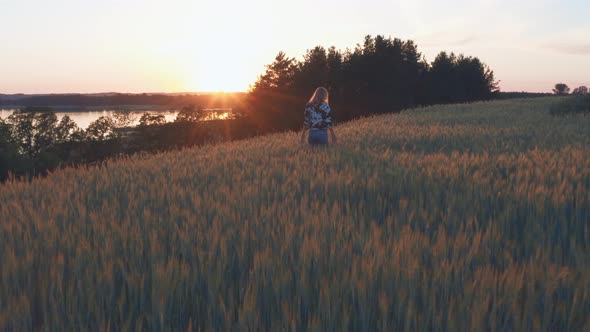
{"x": 84, "y": 46}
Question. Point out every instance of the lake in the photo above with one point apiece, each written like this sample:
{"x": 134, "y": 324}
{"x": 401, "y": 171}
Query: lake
{"x": 83, "y": 118}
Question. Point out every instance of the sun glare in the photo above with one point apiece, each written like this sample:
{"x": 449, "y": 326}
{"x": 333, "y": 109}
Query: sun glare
{"x": 215, "y": 73}
{"x": 223, "y": 116}
{"x": 214, "y": 83}
{"x": 207, "y": 55}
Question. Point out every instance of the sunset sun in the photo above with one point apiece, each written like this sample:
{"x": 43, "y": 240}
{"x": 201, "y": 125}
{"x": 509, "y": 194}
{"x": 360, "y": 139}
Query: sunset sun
{"x": 217, "y": 76}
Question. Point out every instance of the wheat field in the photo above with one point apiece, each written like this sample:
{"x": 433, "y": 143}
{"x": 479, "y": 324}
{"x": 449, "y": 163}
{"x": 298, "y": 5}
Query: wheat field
{"x": 467, "y": 217}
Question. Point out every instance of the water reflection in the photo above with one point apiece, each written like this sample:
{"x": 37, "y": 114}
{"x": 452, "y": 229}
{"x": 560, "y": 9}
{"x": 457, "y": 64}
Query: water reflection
{"x": 84, "y": 118}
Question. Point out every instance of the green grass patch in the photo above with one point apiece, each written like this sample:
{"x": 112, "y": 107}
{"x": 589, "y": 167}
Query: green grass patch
{"x": 572, "y": 105}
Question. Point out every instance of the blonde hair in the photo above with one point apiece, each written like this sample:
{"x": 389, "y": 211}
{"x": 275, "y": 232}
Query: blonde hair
{"x": 320, "y": 95}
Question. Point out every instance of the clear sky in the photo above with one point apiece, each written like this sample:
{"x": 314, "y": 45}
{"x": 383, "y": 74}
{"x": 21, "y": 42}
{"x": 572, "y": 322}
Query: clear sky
{"x": 179, "y": 45}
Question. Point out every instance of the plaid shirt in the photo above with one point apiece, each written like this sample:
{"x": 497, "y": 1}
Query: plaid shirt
{"x": 317, "y": 116}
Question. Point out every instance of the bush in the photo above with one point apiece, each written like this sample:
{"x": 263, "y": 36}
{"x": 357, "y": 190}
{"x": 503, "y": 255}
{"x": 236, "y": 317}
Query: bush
{"x": 572, "y": 105}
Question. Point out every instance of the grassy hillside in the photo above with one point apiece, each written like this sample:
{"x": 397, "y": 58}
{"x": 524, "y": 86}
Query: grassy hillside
{"x": 461, "y": 217}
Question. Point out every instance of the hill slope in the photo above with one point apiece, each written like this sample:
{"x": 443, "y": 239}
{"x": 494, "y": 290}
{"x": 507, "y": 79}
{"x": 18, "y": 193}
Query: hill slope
{"x": 460, "y": 217}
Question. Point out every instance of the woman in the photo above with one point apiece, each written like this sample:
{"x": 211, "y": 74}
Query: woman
{"x": 318, "y": 119}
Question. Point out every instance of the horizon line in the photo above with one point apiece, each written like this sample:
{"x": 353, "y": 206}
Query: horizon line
{"x": 176, "y": 93}
{"x": 115, "y": 92}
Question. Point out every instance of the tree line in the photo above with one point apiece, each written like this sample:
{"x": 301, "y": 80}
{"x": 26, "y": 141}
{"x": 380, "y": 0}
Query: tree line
{"x": 563, "y": 89}
{"x": 34, "y": 141}
{"x": 381, "y": 75}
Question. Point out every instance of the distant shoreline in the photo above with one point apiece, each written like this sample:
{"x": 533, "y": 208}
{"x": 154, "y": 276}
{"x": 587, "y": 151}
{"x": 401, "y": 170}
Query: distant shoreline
{"x": 98, "y": 108}
{"x": 124, "y": 102}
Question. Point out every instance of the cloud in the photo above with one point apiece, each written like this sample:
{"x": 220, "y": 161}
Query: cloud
{"x": 465, "y": 41}
{"x": 570, "y": 41}
{"x": 580, "y": 48}
{"x": 447, "y": 39}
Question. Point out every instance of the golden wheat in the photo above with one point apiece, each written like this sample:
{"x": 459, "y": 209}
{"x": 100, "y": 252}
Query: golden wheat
{"x": 458, "y": 217}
